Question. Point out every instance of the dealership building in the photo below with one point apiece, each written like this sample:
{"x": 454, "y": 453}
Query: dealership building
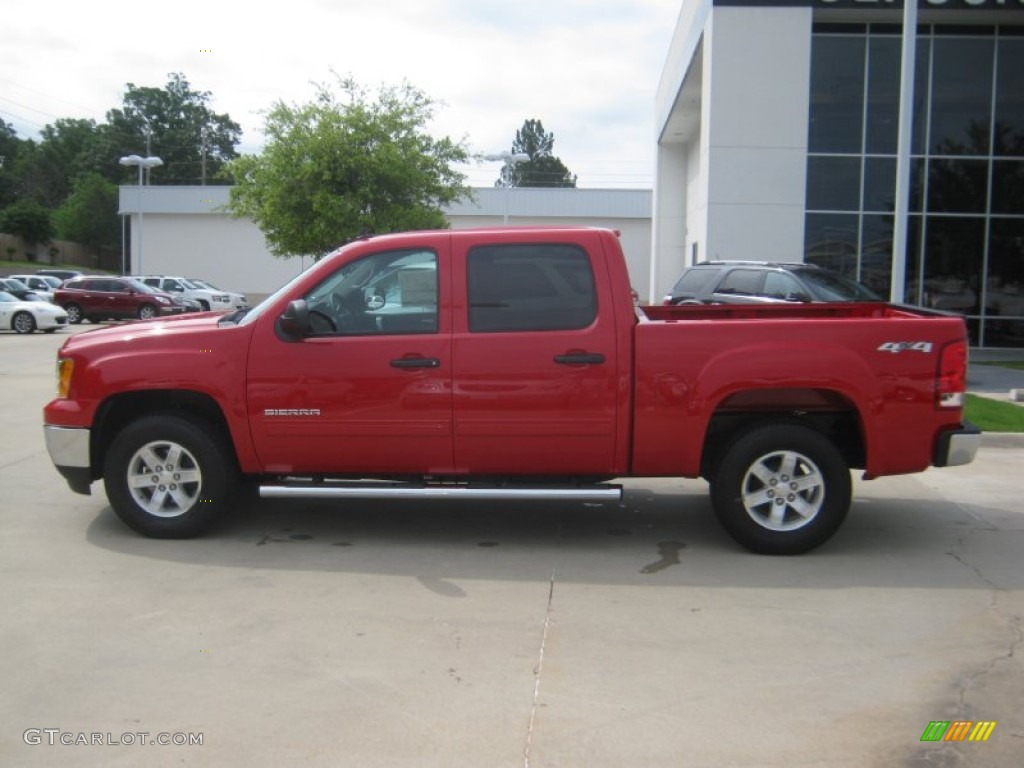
{"x": 778, "y": 138}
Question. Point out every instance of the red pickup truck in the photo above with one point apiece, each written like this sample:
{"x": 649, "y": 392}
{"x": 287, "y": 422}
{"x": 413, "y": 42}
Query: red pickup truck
{"x": 507, "y": 363}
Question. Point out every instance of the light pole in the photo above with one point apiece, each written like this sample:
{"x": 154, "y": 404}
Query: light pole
{"x": 147, "y": 163}
{"x": 511, "y": 159}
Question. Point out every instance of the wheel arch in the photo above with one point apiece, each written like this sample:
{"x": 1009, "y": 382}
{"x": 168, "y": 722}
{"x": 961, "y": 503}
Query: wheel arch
{"x": 827, "y": 411}
{"x": 119, "y": 410}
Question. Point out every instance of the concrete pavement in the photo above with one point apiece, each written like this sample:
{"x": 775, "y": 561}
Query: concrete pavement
{"x": 543, "y": 635}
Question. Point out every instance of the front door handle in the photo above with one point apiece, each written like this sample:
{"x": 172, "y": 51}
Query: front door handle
{"x": 416, "y": 362}
{"x": 580, "y": 358}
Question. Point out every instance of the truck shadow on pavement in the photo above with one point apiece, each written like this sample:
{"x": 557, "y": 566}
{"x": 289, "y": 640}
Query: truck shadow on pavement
{"x": 658, "y": 538}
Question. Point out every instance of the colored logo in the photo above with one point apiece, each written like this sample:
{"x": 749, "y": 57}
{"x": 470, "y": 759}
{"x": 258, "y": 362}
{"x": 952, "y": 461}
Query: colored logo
{"x": 958, "y": 730}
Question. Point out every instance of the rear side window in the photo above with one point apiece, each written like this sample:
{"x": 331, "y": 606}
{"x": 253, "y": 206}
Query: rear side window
{"x": 742, "y": 282}
{"x": 778, "y": 285}
{"x": 542, "y": 287}
{"x": 693, "y": 280}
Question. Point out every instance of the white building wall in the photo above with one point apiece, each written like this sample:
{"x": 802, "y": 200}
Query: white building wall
{"x": 757, "y": 106}
{"x": 186, "y": 230}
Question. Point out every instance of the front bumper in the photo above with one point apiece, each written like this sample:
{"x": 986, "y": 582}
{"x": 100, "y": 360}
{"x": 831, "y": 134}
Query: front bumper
{"x": 957, "y": 446}
{"x": 69, "y": 451}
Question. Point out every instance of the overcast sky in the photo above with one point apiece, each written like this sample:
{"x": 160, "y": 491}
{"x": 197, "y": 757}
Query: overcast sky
{"x": 587, "y": 68}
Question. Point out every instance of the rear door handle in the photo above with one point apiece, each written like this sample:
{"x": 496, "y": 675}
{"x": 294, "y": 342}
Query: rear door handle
{"x": 580, "y": 358}
{"x": 416, "y": 362}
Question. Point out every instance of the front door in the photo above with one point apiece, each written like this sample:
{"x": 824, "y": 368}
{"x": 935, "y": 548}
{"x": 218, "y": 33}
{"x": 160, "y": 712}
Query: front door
{"x": 369, "y": 390}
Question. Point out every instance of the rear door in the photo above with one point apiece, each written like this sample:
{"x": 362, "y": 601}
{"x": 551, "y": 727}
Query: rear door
{"x": 535, "y": 358}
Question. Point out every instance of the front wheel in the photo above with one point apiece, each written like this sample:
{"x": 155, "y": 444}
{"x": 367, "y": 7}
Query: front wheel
{"x": 147, "y": 312}
{"x": 781, "y": 489}
{"x": 168, "y": 477}
{"x": 74, "y": 313}
{"x": 23, "y": 322}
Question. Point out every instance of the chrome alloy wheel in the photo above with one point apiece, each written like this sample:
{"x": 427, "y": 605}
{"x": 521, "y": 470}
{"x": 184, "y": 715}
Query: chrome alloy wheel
{"x": 783, "y": 491}
{"x": 164, "y": 479}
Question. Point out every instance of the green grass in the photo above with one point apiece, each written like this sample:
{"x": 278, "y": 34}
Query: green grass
{"x": 1016, "y": 364}
{"x": 994, "y": 415}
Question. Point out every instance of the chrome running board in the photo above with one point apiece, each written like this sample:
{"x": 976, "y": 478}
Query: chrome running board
{"x": 351, "y": 490}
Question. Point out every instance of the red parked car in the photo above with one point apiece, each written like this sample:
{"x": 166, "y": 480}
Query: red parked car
{"x": 101, "y": 297}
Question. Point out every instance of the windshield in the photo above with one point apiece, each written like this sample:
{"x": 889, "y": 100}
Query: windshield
{"x": 246, "y": 316}
{"x": 5, "y": 296}
{"x": 829, "y": 286}
{"x": 140, "y": 286}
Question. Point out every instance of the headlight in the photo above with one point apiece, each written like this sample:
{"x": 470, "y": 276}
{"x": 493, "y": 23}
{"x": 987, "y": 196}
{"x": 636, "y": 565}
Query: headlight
{"x": 221, "y": 298}
{"x": 65, "y": 367}
{"x": 162, "y": 300}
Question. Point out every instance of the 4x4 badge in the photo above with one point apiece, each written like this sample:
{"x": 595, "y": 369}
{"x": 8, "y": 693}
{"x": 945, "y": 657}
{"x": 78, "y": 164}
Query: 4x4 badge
{"x": 905, "y": 346}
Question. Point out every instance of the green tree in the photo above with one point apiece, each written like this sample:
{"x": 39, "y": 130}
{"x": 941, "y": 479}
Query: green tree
{"x": 46, "y": 170}
{"x": 10, "y": 146}
{"x": 543, "y": 169}
{"x": 28, "y": 220}
{"x": 338, "y": 167}
{"x": 176, "y": 124}
{"x": 89, "y": 215}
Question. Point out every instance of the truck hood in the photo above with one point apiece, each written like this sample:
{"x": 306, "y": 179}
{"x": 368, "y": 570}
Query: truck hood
{"x": 169, "y": 332}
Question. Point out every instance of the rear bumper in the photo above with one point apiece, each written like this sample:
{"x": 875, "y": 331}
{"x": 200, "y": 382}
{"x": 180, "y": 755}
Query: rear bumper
{"x": 957, "y": 446}
{"x": 69, "y": 451}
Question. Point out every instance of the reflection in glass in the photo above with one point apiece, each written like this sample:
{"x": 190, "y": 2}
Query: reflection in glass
{"x": 953, "y": 259}
{"x": 912, "y": 270}
{"x": 837, "y": 94}
{"x": 1004, "y": 289}
{"x": 1008, "y": 187}
{"x": 831, "y": 241}
{"x": 961, "y": 95}
{"x": 833, "y": 183}
{"x": 883, "y": 95}
{"x": 880, "y": 184}
{"x": 1010, "y": 98}
{"x": 876, "y": 253}
{"x": 957, "y": 186}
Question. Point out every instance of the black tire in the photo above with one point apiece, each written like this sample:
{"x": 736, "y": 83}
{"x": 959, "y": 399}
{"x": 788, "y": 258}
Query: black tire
{"x": 794, "y": 464}
{"x": 147, "y": 312}
{"x": 201, "y": 467}
{"x": 204, "y": 305}
{"x": 75, "y": 315}
{"x": 23, "y": 323}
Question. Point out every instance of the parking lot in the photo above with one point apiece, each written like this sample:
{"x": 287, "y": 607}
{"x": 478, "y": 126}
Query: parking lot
{"x": 485, "y": 634}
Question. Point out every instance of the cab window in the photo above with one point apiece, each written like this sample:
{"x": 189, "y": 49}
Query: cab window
{"x": 394, "y": 292}
{"x": 536, "y": 287}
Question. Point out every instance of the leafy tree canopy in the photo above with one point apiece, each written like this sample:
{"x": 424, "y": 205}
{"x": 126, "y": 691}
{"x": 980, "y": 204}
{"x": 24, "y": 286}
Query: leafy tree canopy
{"x": 178, "y": 123}
{"x": 345, "y": 164}
{"x": 28, "y": 220}
{"x": 86, "y": 216}
{"x": 543, "y": 169}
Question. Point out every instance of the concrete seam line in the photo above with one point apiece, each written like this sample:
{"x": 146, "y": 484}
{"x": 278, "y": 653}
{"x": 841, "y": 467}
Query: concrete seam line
{"x": 537, "y": 671}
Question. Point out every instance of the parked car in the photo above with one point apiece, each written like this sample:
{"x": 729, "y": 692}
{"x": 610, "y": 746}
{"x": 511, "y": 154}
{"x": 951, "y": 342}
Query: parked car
{"x": 26, "y": 316}
{"x": 61, "y": 274}
{"x": 206, "y": 299}
{"x": 763, "y": 282}
{"x": 33, "y": 284}
{"x": 102, "y": 297}
{"x": 40, "y": 283}
{"x": 238, "y": 300}
{"x": 19, "y": 290}
{"x": 189, "y": 305}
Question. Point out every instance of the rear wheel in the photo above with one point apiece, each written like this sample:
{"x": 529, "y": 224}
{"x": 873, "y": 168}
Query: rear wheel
{"x": 74, "y": 313}
{"x": 168, "y": 477}
{"x": 23, "y": 322}
{"x": 781, "y": 489}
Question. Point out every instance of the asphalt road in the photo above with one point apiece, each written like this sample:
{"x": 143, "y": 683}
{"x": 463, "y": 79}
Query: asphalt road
{"x": 488, "y": 635}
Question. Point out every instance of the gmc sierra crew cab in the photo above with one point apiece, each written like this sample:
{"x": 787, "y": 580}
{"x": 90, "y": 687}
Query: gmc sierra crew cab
{"x": 507, "y": 363}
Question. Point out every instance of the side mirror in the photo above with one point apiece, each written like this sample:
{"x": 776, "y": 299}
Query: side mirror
{"x": 375, "y": 302}
{"x": 293, "y": 324}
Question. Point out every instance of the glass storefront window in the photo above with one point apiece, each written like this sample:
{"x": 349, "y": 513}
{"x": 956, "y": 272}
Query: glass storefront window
{"x": 1008, "y": 187}
{"x": 954, "y": 247}
{"x": 1004, "y": 290}
{"x": 961, "y": 95}
{"x": 957, "y": 186}
{"x": 1010, "y": 98}
{"x": 880, "y": 184}
{"x": 830, "y": 241}
{"x": 833, "y": 183}
{"x": 837, "y": 93}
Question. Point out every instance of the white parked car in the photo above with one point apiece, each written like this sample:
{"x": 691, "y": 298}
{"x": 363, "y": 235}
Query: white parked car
{"x": 238, "y": 300}
{"x": 44, "y": 285}
{"x": 26, "y": 316}
{"x": 207, "y": 298}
